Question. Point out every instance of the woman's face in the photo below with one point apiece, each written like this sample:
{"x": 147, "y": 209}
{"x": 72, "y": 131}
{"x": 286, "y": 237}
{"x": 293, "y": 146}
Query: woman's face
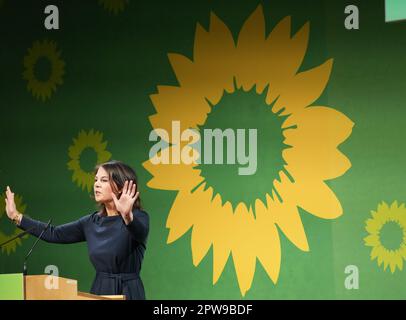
{"x": 102, "y": 186}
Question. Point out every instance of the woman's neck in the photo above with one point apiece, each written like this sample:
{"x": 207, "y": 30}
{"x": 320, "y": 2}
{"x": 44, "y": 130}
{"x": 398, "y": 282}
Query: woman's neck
{"x": 111, "y": 209}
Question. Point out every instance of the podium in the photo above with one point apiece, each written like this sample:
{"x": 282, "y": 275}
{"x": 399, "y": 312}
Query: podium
{"x": 44, "y": 287}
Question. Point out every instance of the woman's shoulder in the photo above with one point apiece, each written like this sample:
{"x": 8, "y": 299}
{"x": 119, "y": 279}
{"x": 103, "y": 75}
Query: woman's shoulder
{"x": 90, "y": 217}
{"x": 141, "y": 212}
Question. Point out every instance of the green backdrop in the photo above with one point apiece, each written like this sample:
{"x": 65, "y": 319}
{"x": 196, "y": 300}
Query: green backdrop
{"x": 114, "y": 61}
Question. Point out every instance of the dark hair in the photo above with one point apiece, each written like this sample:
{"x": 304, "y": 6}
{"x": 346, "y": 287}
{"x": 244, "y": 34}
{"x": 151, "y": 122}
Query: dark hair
{"x": 118, "y": 173}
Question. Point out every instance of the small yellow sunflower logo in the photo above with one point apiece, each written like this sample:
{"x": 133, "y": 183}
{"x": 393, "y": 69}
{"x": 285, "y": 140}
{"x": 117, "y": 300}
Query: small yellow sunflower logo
{"x": 87, "y": 141}
{"x": 4, "y": 236}
{"x": 257, "y": 78}
{"x": 387, "y": 235}
{"x": 43, "y": 57}
{"x": 114, "y": 6}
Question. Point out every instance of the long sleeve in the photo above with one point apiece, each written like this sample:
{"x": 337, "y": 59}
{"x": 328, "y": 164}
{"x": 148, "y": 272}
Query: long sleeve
{"x": 66, "y": 233}
{"x": 139, "y": 227}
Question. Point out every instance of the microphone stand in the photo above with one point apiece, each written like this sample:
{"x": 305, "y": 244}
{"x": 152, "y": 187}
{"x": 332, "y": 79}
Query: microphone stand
{"x": 21, "y": 234}
{"x": 35, "y": 243}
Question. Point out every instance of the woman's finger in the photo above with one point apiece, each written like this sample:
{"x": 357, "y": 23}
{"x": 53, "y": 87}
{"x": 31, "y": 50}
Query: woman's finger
{"x": 131, "y": 192}
{"x": 130, "y": 187}
{"x": 125, "y": 187}
{"x": 9, "y": 190}
{"x": 10, "y": 196}
{"x": 136, "y": 195}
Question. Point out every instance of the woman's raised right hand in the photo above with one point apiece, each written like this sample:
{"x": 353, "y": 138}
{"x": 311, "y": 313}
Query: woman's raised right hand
{"x": 11, "y": 208}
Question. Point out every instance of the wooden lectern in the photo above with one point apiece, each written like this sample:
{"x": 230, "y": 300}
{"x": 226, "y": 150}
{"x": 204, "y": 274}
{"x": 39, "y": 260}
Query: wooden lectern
{"x": 44, "y": 287}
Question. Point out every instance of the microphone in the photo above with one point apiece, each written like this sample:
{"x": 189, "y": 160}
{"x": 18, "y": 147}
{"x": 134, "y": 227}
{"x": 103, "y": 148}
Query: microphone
{"x": 33, "y": 246}
{"x": 21, "y": 234}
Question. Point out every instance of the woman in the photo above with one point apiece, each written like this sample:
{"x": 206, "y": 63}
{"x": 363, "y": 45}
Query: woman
{"x": 116, "y": 235}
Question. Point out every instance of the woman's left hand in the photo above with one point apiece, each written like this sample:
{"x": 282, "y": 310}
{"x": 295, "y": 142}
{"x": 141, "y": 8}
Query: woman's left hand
{"x": 125, "y": 204}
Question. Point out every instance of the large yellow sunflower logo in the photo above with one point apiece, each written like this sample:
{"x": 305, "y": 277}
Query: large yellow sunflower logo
{"x": 387, "y": 235}
{"x": 44, "y": 69}
{"x": 4, "y": 235}
{"x": 114, "y": 6}
{"x": 85, "y": 142}
{"x": 254, "y": 83}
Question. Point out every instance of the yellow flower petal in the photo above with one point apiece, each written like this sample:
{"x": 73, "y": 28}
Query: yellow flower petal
{"x": 305, "y": 88}
{"x": 181, "y": 217}
{"x": 314, "y": 196}
{"x": 284, "y": 56}
{"x": 222, "y": 233}
{"x": 172, "y": 176}
{"x": 250, "y": 46}
{"x": 178, "y": 104}
{"x": 212, "y": 224}
{"x": 201, "y": 241}
{"x": 243, "y": 251}
{"x": 267, "y": 242}
{"x": 314, "y": 163}
{"x": 288, "y": 219}
{"x": 402, "y": 250}
{"x": 213, "y": 54}
{"x": 325, "y": 125}
{"x": 383, "y": 206}
{"x": 221, "y": 252}
{"x": 372, "y": 240}
{"x": 376, "y": 253}
{"x": 399, "y": 261}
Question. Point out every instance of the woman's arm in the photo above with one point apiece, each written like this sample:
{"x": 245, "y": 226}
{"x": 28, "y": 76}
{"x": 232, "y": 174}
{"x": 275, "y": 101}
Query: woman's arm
{"x": 66, "y": 233}
{"x": 139, "y": 226}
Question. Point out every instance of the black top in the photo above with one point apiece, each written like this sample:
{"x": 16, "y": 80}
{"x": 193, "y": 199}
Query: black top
{"x": 115, "y": 249}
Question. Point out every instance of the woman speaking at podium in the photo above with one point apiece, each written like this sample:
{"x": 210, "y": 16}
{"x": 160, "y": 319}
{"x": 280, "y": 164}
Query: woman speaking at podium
{"x": 116, "y": 235}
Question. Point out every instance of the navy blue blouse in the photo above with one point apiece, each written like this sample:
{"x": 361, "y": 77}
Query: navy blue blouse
{"x": 116, "y": 250}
